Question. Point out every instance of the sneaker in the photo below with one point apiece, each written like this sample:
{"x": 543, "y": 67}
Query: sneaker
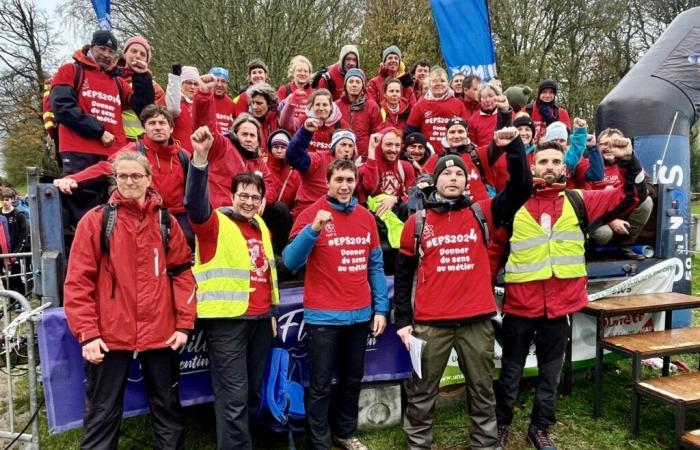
{"x": 351, "y": 443}
{"x": 502, "y": 437}
{"x": 627, "y": 252}
{"x": 540, "y": 438}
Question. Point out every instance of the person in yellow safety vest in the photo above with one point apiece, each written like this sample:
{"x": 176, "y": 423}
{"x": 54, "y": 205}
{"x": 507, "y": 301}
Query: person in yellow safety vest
{"x": 545, "y": 275}
{"x": 136, "y": 48}
{"x": 237, "y": 294}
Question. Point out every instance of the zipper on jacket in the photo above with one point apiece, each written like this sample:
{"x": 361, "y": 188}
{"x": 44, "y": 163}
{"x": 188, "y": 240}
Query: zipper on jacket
{"x": 155, "y": 258}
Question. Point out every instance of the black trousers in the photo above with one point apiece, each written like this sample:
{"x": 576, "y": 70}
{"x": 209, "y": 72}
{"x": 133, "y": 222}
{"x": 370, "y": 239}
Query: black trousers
{"x": 341, "y": 347}
{"x": 550, "y": 336}
{"x": 238, "y": 353}
{"x": 104, "y": 397}
{"x": 89, "y": 195}
{"x": 279, "y": 221}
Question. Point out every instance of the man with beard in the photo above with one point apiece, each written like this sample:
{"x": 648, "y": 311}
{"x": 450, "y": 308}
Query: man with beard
{"x": 545, "y": 275}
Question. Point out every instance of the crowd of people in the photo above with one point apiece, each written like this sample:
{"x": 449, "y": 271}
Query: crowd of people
{"x": 339, "y": 178}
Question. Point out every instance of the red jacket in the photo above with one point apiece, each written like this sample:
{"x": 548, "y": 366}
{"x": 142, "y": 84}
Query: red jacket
{"x": 268, "y": 124}
{"x": 285, "y": 179}
{"x": 558, "y": 297}
{"x": 430, "y": 117}
{"x": 184, "y": 125}
{"x": 98, "y": 107}
{"x": 363, "y": 121}
{"x": 472, "y": 107}
{"x": 375, "y": 88}
{"x": 540, "y": 125}
{"x": 395, "y": 119}
{"x": 299, "y": 101}
{"x": 338, "y": 80}
{"x": 321, "y": 139}
{"x": 168, "y": 174}
{"x": 240, "y": 104}
{"x": 224, "y": 161}
{"x": 225, "y": 112}
{"x": 395, "y": 177}
{"x": 127, "y": 297}
{"x": 475, "y": 186}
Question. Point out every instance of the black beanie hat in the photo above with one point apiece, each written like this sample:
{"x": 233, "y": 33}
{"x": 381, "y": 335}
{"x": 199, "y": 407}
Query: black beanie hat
{"x": 415, "y": 138}
{"x": 524, "y": 121}
{"x": 551, "y": 84}
{"x": 456, "y": 121}
{"x": 448, "y": 161}
{"x": 106, "y": 38}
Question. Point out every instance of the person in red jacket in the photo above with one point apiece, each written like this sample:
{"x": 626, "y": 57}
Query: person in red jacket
{"x": 458, "y": 143}
{"x": 223, "y": 104}
{"x": 257, "y": 73}
{"x": 297, "y": 92}
{"x": 391, "y": 66}
{"x": 419, "y": 73}
{"x": 471, "y": 85}
{"x": 312, "y": 165}
{"x": 90, "y": 118}
{"x": 263, "y": 106}
{"x": 544, "y": 109}
{"x": 541, "y": 291}
{"x": 494, "y": 114}
{"x": 136, "y": 48}
{"x": 417, "y": 151}
{"x": 285, "y": 177}
{"x": 626, "y": 229}
{"x": 443, "y": 293}
{"x": 361, "y": 113}
{"x": 183, "y": 84}
{"x": 168, "y": 162}
{"x": 395, "y": 175}
{"x": 435, "y": 109}
{"x": 136, "y": 297}
{"x": 322, "y": 108}
{"x": 334, "y": 78}
{"x": 394, "y": 108}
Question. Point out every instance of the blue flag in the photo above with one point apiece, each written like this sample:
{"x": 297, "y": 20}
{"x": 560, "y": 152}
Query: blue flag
{"x": 465, "y": 36}
{"x": 102, "y": 9}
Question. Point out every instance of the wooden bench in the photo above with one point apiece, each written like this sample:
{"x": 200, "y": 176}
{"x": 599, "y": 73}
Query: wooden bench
{"x": 681, "y": 391}
{"x": 620, "y": 306}
{"x": 691, "y": 439}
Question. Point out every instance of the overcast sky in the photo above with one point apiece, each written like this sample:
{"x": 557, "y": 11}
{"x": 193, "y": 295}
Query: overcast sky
{"x": 70, "y": 40}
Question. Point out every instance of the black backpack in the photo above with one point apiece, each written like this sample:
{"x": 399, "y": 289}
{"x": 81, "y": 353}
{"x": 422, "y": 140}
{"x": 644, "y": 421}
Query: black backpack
{"x": 109, "y": 219}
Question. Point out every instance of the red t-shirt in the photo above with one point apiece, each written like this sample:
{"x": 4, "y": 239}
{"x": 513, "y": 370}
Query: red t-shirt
{"x": 225, "y": 112}
{"x": 207, "y": 238}
{"x": 336, "y": 271}
{"x": 431, "y": 117}
{"x": 454, "y": 276}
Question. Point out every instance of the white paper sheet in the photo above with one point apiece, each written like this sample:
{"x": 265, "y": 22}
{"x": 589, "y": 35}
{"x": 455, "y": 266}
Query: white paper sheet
{"x": 416, "y": 352}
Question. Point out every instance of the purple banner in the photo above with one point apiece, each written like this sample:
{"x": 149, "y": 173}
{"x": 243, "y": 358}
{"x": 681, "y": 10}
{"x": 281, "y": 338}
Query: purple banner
{"x": 63, "y": 375}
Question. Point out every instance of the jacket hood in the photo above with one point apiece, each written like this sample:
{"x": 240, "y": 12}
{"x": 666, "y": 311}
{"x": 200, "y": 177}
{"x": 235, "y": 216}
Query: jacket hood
{"x": 344, "y": 51}
{"x": 432, "y": 200}
{"x": 403, "y": 106}
{"x": 81, "y": 56}
{"x": 170, "y": 149}
{"x": 542, "y": 190}
{"x": 247, "y": 154}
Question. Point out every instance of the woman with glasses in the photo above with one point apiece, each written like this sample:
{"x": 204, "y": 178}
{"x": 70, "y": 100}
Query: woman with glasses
{"x": 236, "y": 291}
{"x": 130, "y": 289}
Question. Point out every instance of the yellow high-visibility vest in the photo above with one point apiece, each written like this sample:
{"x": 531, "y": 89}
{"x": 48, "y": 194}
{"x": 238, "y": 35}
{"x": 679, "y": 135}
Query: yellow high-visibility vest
{"x": 536, "y": 255}
{"x": 223, "y": 284}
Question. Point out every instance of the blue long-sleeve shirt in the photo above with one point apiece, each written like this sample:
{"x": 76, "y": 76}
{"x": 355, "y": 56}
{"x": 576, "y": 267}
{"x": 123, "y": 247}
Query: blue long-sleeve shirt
{"x": 295, "y": 256}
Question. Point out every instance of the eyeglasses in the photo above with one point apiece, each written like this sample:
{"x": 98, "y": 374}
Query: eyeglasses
{"x": 256, "y": 199}
{"x": 136, "y": 177}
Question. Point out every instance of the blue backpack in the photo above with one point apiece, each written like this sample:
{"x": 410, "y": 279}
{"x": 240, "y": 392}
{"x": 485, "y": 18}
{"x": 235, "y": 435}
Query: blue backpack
{"x": 282, "y": 398}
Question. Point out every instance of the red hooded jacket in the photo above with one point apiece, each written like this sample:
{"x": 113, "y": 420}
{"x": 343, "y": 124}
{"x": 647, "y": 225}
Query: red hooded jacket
{"x": 126, "y": 297}
{"x": 375, "y": 87}
{"x": 168, "y": 175}
{"x": 338, "y": 81}
{"x": 285, "y": 179}
{"x": 395, "y": 177}
{"x": 363, "y": 120}
{"x": 395, "y": 119}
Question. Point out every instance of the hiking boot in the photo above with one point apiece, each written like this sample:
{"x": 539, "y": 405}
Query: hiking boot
{"x": 502, "y": 437}
{"x": 351, "y": 443}
{"x": 540, "y": 438}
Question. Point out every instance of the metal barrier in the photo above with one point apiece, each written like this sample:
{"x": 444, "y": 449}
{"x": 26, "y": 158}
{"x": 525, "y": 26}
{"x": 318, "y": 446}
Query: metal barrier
{"x": 14, "y": 341}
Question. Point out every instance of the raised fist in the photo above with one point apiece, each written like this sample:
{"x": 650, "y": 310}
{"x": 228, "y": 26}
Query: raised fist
{"x": 505, "y": 136}
{"x": 202, "y": 140}
{"x": 580, "y": 123}
{"x": 322, "y": 218}
{"x": 312, "y": 124}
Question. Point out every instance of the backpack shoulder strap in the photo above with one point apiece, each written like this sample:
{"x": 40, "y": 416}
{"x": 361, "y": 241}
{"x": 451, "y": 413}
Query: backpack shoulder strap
{"x": 184, "y": 159}
{"x": 477, "y": 162}
{"x": 140, "y": 147}
{"x": 418, "y": 231}
{"x": 165, "y": 227}
{"x": 78, "y": 77}
{"x": 576, "y": 200}
{"x": 481, "y": 218}
{"x": 109, "y": 219}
